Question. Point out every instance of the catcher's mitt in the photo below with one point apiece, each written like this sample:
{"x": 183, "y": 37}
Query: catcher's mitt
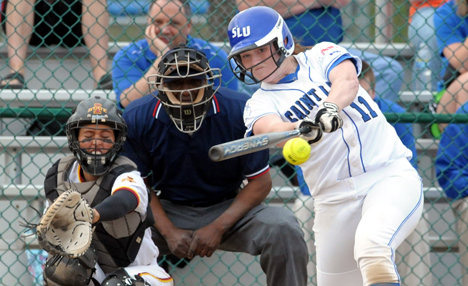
{"x": 65, "y": 228}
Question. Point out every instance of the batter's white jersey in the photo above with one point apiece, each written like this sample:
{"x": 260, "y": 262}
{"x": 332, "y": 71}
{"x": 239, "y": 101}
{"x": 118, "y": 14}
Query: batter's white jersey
{"x": 366, "y": 142}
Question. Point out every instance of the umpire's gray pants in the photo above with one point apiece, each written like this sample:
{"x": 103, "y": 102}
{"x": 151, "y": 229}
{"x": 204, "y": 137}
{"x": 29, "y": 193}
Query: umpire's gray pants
{"x": 271, "y": 232}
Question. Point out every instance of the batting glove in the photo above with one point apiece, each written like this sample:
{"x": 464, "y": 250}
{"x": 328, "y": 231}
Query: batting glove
{"x": 328, "y": 117}
{"x": 310, "y": 131}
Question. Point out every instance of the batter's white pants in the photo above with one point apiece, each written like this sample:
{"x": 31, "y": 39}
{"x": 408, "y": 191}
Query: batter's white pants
{"x": 356, "y": 237}
{"x": 413, "y": 256}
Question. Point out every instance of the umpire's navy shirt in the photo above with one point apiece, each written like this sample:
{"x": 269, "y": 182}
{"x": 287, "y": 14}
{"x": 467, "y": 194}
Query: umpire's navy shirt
{"x": 180, "y": 166}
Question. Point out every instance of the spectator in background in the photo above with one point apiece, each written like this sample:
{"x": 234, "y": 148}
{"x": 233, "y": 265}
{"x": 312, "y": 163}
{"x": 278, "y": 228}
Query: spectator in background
{"x": 310, "y": 21}
{"x": 66, "y": 23}
{"x": 421, "y": 34}
{"x": 313, "y": 21}
{"x": 204, "y": 205}
{"x": 451, "y": 24}
{"x": 168, "y": 26}
{"x": 452, "y": 173}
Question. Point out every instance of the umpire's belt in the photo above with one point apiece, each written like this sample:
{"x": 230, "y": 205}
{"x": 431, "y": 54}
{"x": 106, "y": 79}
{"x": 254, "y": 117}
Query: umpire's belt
{"x": 205, "y": 203}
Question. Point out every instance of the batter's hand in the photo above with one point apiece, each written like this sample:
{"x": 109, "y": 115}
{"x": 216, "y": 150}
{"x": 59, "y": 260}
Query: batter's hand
{"x": 205, "y": 241}
{"x": 328, "y": 117}
{"x": 179, "y": 242}
{"x": 156, "y": 45}
{"x": 310, "y": 131}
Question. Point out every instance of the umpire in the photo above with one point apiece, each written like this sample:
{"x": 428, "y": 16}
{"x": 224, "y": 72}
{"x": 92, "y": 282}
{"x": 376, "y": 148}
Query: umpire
{"x": 203, "y": 205}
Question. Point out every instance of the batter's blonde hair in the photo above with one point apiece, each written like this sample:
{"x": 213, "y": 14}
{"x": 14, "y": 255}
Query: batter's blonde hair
{"x": 298, "y": 48}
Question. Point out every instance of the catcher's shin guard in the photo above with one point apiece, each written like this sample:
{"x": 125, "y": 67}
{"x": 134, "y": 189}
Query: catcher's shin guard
{"x": 61, "y": 270}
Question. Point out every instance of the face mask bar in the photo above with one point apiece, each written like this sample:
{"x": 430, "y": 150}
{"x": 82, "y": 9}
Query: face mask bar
{"x": 186, "y": 102}
{"x": 104, "y": 140}
{"x": 95, "y": 159}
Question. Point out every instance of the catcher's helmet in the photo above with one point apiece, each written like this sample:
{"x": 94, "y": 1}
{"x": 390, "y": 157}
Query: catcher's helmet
{"x": 253, "y": 28}
{"x": 185, "y": 85}
{"x": 96, "y": 110}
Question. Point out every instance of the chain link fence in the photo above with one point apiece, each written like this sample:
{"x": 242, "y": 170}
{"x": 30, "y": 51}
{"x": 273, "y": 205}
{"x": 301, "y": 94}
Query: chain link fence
{"x": 56, "y": 53}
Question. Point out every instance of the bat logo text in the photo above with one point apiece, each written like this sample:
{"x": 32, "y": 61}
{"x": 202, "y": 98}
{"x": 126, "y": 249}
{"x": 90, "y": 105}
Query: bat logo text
{"x": 246, "y": 145}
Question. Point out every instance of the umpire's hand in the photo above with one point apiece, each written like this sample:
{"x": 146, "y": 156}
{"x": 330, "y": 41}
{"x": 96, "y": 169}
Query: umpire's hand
{"x": 179, "y": 242}
{"x": 205, "y": 241}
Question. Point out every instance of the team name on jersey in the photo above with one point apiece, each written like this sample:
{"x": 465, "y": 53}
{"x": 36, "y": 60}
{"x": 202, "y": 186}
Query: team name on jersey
{"x": 311, "y": 99}
{"x": 241, "y": 32}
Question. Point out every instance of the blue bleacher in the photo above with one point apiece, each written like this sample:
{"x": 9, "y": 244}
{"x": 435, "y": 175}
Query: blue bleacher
{"x": 127, "y": 7}
{"x": 140, "y": 7}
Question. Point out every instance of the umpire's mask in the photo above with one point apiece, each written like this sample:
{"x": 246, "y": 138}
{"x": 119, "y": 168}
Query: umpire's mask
{"x": 185, "y": 85}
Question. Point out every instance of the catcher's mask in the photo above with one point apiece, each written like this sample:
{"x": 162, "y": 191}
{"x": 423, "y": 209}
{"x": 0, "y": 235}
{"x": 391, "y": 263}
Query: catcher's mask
{"x": 185, "y": 86}
{"x": 99, "y": 111}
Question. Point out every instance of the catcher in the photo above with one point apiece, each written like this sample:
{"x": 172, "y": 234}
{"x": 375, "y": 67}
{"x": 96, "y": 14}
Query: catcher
{"x": 108, "y": 242}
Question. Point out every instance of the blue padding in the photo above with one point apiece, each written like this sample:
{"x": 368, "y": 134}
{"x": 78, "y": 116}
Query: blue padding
{"x": 127, "y": 7}
{"x": 140, "y": 7}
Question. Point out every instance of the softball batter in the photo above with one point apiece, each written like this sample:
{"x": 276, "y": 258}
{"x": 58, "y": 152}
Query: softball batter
{"x": 368, "y": 197}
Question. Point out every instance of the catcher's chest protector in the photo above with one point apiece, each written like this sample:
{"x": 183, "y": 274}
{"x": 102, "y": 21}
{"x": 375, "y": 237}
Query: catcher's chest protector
{"x": 116, "y": 242}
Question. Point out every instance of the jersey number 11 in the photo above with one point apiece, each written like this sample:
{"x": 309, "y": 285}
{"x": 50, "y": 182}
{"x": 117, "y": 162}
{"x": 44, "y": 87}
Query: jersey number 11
{"x": 366, "y": 116}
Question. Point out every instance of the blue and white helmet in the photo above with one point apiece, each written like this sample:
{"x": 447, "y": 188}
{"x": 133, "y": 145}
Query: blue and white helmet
{"x": 256, "y": 27}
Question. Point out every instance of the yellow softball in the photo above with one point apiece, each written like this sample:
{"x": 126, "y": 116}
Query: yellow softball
{"x": 296, "y": 151}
